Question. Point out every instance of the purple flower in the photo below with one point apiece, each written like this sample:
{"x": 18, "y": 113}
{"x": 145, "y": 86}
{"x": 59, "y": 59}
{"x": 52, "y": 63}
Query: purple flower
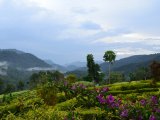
{"x": 99, "y": 96}
{"x": 117, "y": 105}
{"x": 80, "y": 85}
{"x": 158, "y": 110}
{"x": 143, "y": 102}
{"x": 110, "y": 99}
{"x": 101, "y": 99}
{"x": 105, "y": 89}
{"x": 154, "y": 99}
{"x": 124, "y": 113}
{"x": 152, "y": 117}
{"x": 83, "y": 86}
{"x": 114, "y": 105}
{"x": 154, "y": 109}
{"x": 140, "y": 117}
{"x": 65, "y": 83}
{"x": 119, "y": 101}
{"x": 73, "y": 87}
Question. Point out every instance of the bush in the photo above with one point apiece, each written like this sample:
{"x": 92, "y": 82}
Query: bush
{"x": 87, "y": 84}
{"x": 48, "y": 93}
{"x": 67, "y": 105}
{"x": 91, "y": 114}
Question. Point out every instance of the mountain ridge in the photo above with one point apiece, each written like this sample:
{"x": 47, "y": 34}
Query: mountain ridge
{"x": 22, "y": 60}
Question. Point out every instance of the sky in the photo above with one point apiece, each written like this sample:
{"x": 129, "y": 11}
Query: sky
{"x": 67, "y": 30}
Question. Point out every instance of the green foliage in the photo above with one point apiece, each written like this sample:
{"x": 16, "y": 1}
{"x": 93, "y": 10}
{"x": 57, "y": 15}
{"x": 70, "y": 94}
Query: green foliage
{"x": 109, "y": 56}
{"x": 67, "y": 105}
{"x": 155, "y": 71}
{"x": 9, "y": 88}
{"x": 86, "y": 83}
{"x": 71, "y": 78}
{"x": 94, "y": 71}
{"x": 42, "y": 78}
{"x": 1, "y": 86}
{"x": 48, "y": 93}
{"x": 91, "y": 114}
{"x": 20, "y": 85}
{"x": 84, "y": 106}
{"x": 141, "y": 73}
{"x": 91, "y": 66}
{"x": 117, "y": 77}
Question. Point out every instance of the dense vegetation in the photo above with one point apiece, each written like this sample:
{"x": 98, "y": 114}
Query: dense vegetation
{"x": 83, "y": 101}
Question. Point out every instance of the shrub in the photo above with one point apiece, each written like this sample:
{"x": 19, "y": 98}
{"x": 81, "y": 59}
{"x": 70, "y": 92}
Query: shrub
{"x": 48, "y": 93}
{"x": 67, "y": 105}
{"x": 91, "y": 114}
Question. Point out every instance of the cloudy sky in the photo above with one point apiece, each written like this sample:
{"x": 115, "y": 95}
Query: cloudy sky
{"x": 67, "y": 30}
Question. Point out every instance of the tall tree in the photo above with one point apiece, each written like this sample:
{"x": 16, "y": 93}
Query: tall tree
{"x": 110, "y": 57}
{"x": 94, "y": 71}
{"x": 20, "y": 85}
{"x": 97, "y": 73}
{"x": 155, "y": 71}
{"x": 91, "y": 66}
{"x": 1, "y": 86}
{"x": 9, "y": 88}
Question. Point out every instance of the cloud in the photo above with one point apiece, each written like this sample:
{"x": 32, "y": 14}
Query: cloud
{"x": 130, "y": 38}
{"x": 88, "y": 25}
{"x": 57, "y": 28}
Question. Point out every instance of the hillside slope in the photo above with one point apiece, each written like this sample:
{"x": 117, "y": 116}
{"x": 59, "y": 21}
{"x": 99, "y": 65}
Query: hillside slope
{"x": 132, "y": 63}
{"x": 18, "y": 59}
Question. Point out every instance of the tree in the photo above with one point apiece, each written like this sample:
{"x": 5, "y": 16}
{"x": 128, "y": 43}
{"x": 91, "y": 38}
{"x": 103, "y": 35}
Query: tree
{"x": 44, "y": 77}
{"x": 98, "y": 75}
{"x": 58, "y": 76}
{"x": 132, "y": 76}
{"x": 91, "y": 66}
{"x": 20, "y": 85}
{"x": 9, "y": 88}
{"x": 1, "y": 86}
{"x": 110, "y": 57}
{"x": 155, "y": 71}
{"x": 142, "y": 73}
{"x": 94, "y": 71}
{"x": 71, "y": 78}
{"x": 117, "y": 77}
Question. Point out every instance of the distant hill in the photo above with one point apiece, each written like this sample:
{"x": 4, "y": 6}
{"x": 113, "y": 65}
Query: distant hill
{"x": 15, "y": 65}
{"x": 80, "y": 66}
{"x": 56, "y": 66}
{"x": 18, "y": 59}
{"x": 129, "y": 64}
{"x": 125, "y": 65}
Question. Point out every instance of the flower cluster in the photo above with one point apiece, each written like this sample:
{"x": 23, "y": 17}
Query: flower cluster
{"x": 78, "y": 86}
{"x": 142, "y": 109}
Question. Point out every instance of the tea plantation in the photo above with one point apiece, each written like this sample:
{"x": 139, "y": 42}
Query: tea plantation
{"x": 136, "y": 100}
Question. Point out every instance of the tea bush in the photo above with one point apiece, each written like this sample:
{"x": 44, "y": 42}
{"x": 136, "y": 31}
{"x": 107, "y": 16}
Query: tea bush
{"x": 48, "y": 93}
